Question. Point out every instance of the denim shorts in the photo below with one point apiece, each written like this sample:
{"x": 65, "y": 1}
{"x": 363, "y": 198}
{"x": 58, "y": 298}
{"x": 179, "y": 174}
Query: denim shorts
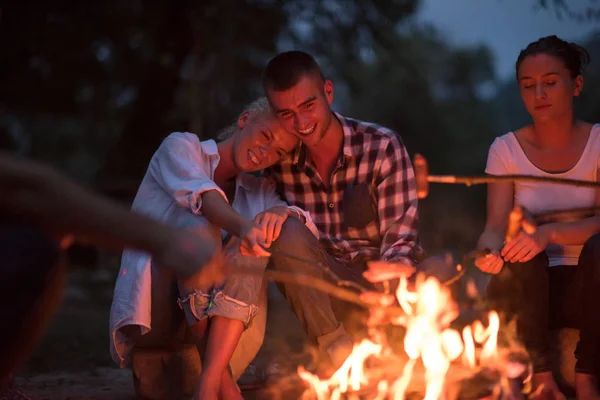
{"x": 235, "y": 299}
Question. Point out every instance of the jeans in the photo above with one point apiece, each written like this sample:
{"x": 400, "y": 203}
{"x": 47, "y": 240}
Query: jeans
{"x": 325, "y": 319}
{"x": 541, "y": 298}
{"x": 235, "y": 299}
{"x": 242, "y": 297}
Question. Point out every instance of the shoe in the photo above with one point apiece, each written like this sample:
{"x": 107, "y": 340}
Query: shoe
{"x": 339, "y": 351}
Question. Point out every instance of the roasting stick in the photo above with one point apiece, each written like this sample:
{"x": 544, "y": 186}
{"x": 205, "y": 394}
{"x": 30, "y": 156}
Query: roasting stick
{"x": 423, "y": 178}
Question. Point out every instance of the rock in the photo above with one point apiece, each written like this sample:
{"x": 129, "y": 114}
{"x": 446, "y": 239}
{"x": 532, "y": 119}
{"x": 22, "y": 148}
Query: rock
{"x": 160, "y": 374}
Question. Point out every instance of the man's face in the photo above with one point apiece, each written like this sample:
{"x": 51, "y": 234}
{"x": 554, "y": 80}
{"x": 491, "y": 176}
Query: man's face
{"x": 303, "y": 109}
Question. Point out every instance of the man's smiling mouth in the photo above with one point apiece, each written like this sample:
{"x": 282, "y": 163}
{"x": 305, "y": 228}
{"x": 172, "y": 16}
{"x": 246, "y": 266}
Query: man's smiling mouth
{"x": 307, "y": 131}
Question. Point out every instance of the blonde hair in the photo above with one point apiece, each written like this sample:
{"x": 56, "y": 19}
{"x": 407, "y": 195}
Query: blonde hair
{"x": 257, "y": 108}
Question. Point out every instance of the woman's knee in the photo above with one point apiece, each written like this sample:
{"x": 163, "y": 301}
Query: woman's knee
{"x": 591, "y": 248}
{"x": 517, "y": 277}
{"x": 589, "y": 259}
{"x": 536, "y": 268}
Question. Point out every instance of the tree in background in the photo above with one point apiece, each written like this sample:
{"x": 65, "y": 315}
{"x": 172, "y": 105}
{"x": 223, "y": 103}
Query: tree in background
{"x": 93, "y": 88}
{"x": 96, "y": 86}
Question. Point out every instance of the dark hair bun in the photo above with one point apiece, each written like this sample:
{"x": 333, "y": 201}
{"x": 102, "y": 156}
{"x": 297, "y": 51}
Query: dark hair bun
{"x": 574, "y": 56}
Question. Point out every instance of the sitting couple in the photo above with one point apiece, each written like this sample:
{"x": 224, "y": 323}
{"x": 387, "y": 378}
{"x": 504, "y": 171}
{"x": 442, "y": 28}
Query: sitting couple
{"x": 340, "y": 169}
{"x": 351, "y": 193}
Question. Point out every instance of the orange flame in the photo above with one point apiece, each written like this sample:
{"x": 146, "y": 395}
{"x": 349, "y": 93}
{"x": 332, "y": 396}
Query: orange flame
{"x": 429, "y": 312}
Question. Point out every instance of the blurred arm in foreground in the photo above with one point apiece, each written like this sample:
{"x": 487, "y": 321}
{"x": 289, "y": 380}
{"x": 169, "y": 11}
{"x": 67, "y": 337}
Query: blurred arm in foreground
{"x": 39, "y": 208}
{"x": 38, "y": 194}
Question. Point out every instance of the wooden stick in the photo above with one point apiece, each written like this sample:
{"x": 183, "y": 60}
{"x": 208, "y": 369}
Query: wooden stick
{"x": 422, "y": 178}
{"x": 317, "y": 283}
{"x": 476, "y": 180}
{"x": 326, "y": 269}
{"x": 515, "y": 220}
{"x": 572, "y": 213}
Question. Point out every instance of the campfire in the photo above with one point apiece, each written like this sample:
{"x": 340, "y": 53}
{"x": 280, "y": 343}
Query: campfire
{"x": 438, "y": 361}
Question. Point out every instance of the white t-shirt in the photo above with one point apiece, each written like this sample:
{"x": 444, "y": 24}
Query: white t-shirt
{"x": 506, "y": 157}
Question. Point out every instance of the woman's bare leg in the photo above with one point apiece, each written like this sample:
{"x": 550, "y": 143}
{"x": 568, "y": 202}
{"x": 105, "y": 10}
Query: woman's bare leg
{"x": 215, "y": 379}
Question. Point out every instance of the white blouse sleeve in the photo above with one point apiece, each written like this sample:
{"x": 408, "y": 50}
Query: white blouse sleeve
{"x": 183, "y": 170}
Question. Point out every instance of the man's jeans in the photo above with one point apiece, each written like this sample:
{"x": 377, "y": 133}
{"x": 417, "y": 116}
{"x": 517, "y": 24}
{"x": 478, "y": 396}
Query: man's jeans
{"x": 542, "y": 297}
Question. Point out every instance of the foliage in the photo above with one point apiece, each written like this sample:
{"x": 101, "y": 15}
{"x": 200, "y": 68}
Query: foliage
{"x": 94, "y": 87}
{"x": 564, "y": 8}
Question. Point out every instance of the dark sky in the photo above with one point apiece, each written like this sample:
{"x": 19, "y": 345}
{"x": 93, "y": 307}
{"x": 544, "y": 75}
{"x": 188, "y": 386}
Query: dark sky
{"x": 506, "y": 26}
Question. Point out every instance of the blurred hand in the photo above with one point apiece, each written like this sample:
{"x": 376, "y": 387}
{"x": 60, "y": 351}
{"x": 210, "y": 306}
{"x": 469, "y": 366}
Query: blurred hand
{"x": 377, "y": 299}
{"x": 379, "y": 271}
{"x": 491, "y": 263}
{"x": 189, "y": 253}
{"x": 525, "y": 246}
{"x": 271, "y": 221}
{"x": 252, "y": 241}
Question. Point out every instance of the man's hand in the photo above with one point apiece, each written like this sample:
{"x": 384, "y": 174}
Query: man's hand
{"x": 271, "y": 221}
{"x": 491, "y": 263}
{"x": 189, "y": 253}
{"x": 252, "y": 241}
{"x": 524, "y": 247}
{"x": 379, "y": 271}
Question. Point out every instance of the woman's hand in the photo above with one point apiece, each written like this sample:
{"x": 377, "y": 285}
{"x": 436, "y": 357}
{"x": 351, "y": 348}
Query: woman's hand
{"x": 524, "y": 247}
{"x": 252, "y": 241}
{"x": 491, "y": 263}
{"x": 271, "y": 222}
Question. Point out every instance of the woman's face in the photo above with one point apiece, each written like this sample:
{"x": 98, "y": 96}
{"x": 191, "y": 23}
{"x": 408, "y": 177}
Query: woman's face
{"x": 261, "y": 142}
{"x": 547, "y": 87}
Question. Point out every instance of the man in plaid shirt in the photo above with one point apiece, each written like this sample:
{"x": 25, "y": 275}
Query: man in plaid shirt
{"x": 357, "y": 182}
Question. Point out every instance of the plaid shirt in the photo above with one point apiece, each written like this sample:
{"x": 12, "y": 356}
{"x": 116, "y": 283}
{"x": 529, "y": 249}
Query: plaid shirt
{"x": 371, "y": 155}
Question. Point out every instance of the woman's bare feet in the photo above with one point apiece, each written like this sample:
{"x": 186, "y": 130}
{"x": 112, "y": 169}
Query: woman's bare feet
{"x": 545, "y": 387}
{"x": 586, "y": 387}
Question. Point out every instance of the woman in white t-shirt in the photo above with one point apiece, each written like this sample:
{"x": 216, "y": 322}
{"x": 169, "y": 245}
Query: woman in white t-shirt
{"x": 550, "y": 278}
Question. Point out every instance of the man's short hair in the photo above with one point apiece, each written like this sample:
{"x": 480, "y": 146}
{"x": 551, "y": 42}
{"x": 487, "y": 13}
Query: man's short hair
{"x": 285, "y": 70}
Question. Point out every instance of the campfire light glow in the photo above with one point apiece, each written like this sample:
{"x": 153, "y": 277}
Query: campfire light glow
{"x": 429, "y": 312}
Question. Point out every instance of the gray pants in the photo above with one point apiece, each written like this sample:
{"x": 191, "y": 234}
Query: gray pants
{"x": 321, "y": 315}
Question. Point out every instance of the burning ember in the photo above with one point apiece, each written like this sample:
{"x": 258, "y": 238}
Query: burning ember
{"x": 429, "y": 339}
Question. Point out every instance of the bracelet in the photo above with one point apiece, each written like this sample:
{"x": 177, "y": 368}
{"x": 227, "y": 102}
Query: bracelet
{"x": 300, "y": 216}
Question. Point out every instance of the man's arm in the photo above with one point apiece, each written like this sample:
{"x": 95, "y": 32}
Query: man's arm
{"x": 38, "y": 193}
{"x": 396, "y": 194}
